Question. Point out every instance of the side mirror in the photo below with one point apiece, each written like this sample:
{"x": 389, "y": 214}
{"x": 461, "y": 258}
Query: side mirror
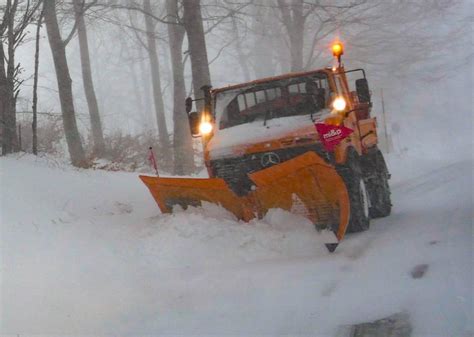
{"x": 194, "y": 120}
{"x": 189, "y": 104}
{"x": 362, "y": 88}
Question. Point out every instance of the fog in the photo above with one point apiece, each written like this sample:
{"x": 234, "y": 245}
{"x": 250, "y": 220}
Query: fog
{"x": 418, "y": 53}
{"x": 86, "y": 250}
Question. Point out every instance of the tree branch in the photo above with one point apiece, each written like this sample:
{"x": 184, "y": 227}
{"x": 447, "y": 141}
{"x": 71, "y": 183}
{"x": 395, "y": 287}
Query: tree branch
{"x": 74, "y": 27}
{"x": 138, "y": 9}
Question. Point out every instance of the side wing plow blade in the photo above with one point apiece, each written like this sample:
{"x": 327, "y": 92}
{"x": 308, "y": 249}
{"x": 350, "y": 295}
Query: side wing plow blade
{"x": 168, "y": 192}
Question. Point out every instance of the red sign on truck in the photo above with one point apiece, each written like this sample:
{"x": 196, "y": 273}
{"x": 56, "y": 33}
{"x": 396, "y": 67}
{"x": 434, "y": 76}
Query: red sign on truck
{"x": 331, "y": 135}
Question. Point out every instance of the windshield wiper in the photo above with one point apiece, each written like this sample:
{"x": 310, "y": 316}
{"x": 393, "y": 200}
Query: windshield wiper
{"x": 265, "y": 118}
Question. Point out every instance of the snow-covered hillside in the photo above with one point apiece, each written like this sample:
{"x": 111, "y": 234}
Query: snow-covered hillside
{"x": 87, "y": 252}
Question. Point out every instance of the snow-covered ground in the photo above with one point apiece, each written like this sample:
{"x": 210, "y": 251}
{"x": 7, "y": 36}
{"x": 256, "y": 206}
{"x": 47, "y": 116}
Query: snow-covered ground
{"x": 87, "y": 252}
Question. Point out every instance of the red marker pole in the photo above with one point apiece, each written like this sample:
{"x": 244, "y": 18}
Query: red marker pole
{"x": 152, "y": 160}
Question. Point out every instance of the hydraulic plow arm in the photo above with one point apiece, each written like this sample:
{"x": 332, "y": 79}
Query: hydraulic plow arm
{"x": 304, "y": 185}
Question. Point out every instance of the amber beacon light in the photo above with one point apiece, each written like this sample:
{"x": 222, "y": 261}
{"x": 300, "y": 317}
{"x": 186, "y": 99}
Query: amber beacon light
{"x": 337, "y": 51}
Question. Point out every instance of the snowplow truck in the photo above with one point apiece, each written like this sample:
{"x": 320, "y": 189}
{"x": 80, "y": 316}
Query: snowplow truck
{"x": 263, "y": 150}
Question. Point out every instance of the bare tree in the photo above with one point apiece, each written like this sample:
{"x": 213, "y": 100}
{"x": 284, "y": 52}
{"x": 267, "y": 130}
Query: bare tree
{"x": 241, "y": 57}
{"x": 197, "y": 45}
{"x": 147, "y": 91}
{"x": 4, "y": 97}
{"x": 156, "y": 82}
{"x": 420, "y": 38}
{"x": 96, "y": 125}
{"x": 133, "y": 47}
{"x": 7, "y": 80}
{"x": 16, "y": 17}
{"x": 182, "y": 140}
{"x": 263, "y": 25}
{"x": 34, "y": 124}
{"x": 76, "y": 151}
{"x": 130, "y": 61}
{"x": 303, "y": 21}
{"x": 294, "y": 20}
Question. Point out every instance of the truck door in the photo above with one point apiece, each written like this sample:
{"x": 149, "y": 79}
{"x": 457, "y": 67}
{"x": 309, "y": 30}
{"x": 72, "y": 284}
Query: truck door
{"x": 365, "y": 126}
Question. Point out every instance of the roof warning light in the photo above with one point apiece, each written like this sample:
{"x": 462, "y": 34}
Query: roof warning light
{"x": 337, "y": 49}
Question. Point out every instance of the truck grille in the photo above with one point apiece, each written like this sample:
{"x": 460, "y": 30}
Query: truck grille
{"x": 235, "y": 170}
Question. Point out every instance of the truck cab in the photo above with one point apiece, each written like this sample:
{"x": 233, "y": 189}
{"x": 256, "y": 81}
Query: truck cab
{"x": 254, "y": 125}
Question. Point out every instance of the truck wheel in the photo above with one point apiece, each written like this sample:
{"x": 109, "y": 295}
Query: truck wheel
{"x": 381, "y": 205}
{"x": 359, "y": 220}
{"x": 379, "y": 190}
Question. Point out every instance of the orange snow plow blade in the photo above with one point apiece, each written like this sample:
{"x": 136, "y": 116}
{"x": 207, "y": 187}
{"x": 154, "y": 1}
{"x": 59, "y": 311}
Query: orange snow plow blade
{"x": 191, "y": 191}
{"x": 304, "y": 185}
{"x": 308, "y": 186}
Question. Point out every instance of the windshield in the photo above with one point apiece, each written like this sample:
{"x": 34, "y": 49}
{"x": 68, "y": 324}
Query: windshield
{"x": 289, "y": 97}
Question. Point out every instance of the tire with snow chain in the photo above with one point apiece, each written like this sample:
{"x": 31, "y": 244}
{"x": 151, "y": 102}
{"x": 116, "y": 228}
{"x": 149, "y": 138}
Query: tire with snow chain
{"x": 359, "y": 219}
{"x": 379, "y": 190}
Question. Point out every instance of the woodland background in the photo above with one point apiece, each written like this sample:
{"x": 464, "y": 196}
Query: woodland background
{"x": 101, "y": 81}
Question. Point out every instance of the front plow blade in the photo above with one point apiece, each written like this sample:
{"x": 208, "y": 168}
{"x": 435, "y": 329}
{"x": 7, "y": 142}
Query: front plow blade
{"x": 305, "y": 185}
{"x": 308, "y": 186}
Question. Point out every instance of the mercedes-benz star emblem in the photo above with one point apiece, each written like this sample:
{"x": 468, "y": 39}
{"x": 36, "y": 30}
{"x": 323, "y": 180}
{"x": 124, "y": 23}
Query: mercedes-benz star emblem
{"x": 269, "y": 159}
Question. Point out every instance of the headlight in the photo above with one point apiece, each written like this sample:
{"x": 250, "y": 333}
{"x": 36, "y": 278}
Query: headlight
{"x": 339, "y": 104}
{"x": 205, "y": 128}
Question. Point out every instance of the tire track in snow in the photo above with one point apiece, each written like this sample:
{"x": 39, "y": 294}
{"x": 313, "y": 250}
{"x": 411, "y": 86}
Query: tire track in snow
{"x": 433, "y": 179}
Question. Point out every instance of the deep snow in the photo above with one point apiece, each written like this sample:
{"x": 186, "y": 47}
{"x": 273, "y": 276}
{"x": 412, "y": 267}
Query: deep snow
{"x": 87, "y": 252}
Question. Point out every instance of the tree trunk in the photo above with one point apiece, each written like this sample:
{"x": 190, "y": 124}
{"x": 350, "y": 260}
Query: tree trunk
{"x": 147, "y": 92}
{"x": 297, "y": 36}
{"x": 155, "y": 76}
{"x": 197, "y": 47}
{"x": 9, "y": 139}
{"x": 3, "y": 98}
{"x": 96, "y": 126}
{"x": 263, "y": 50}
{"x": 182, "y": 140}
{"x": 294, "y": 21}
{"x": 138, "y": 96}
{"x": 58, "y": 51}
{"x": 35, "y": 87}
{"x": 243, "y": 60}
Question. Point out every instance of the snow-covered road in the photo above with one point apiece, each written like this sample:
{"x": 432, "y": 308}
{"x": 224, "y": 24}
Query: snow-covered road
{"x": 87, "y": 252}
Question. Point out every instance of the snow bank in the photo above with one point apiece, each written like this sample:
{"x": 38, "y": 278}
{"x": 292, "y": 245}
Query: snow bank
{"x": 87, "y": 252}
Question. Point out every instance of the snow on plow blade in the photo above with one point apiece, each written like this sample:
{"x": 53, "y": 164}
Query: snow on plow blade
{"x": 169, "y": 192}
{"x": 305, "y": 185}
{"x": 308, "y": 186}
